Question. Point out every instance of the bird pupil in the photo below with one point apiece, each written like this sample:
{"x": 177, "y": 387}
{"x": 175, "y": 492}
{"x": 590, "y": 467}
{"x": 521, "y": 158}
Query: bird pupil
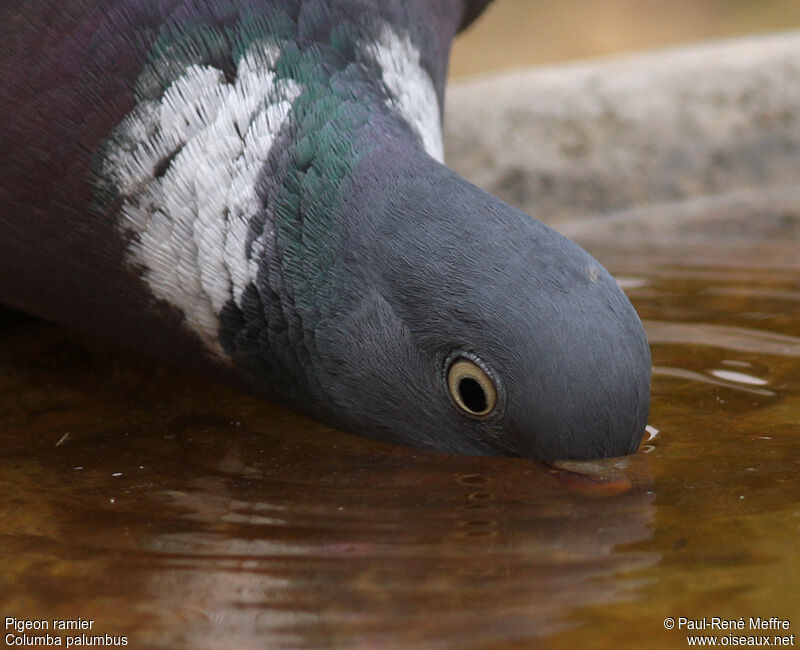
{"x": 472, "y": 395}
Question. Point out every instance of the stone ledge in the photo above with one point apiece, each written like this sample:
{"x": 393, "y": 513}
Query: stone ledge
{"x": 592, "y": 139}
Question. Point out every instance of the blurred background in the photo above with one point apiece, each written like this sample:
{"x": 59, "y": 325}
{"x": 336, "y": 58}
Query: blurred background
{"x": 514, "y": 33}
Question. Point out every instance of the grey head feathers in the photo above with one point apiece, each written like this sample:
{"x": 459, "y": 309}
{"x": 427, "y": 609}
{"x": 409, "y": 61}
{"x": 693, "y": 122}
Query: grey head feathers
{"x": 443, "y": 271}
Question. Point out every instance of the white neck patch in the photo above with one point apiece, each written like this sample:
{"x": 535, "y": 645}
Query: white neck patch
{"x": 186, "y": 167}
{"x": 413, "y": 94}
{"x": 192, "y": 222}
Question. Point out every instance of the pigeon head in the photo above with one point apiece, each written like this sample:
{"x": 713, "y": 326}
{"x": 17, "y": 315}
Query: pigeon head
{"x": 473, "y": 328}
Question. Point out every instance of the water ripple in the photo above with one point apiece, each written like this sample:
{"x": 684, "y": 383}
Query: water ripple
{"x": 740, "y": 339}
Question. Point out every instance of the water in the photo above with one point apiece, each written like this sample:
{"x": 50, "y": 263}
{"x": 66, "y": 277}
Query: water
{"x": 186, "y": 515}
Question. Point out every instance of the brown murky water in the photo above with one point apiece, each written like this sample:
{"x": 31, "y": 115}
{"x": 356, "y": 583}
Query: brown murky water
{"x": 185, "y": 515}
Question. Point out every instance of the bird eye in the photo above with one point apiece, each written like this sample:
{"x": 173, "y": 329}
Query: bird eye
{"x": 471, "y": 388}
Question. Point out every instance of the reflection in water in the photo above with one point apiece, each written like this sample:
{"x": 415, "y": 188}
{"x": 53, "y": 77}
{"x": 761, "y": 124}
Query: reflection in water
{"x": 399, "y": 553}
{"x": 190, "y": 516}
{"x": 736, "y": 339}
{"x": 737, "y": 377}
{"x": 722, "y": 379}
